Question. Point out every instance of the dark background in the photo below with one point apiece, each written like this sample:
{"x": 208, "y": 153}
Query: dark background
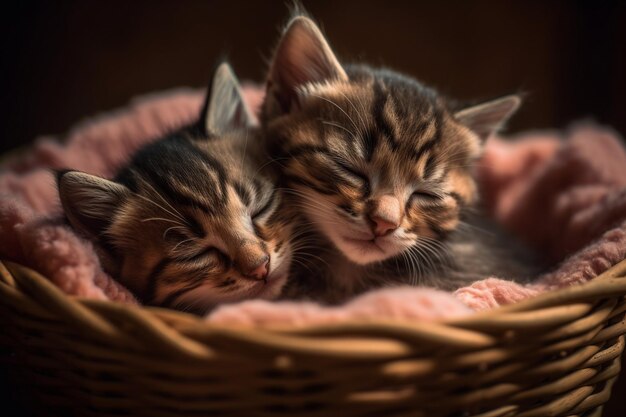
{"x": 65, "y": 60}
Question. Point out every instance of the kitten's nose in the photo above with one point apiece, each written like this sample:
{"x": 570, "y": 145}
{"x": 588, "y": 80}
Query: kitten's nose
{"x": 382, "y": 227}
{"x": 386, "y": 215}
{"x": 260, "y": 270}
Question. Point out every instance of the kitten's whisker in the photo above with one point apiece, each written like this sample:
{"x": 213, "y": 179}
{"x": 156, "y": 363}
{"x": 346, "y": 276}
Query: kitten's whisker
{"x": 362, "y": 104}
{"x": 297, "y": 236}
{"x": 303, "y": 249}
{"x": 416, "y": 257}
{"x": 310, "y": 255}
{"x": 426, "y": 259}
{"x": 415, "y": 265}
{"x": 310, "y": 236}
{"x": 161, "y": 219}
{"x": 340, "y": 109}
{"x": 319, "y": 208}
{"x": 355, "y": 109}
{"x": 309, "y": 199}
{"x": 270, "y": 161}
{"x": 162, "y": 208}
{"x": 309, "y": 244}
{"x": 315, "y": 207}
{"x": 352, "y": 134}
{"x": 411, "y": 270}
{"x": 182, "y": 242}
{"x": 245, "y": 148}
{"x": 304, "y": 232}
{"x": 475, "y": 228}
{"x": 406, "y": 264}
{"x": 434, "y": 241}
{"x": 303, "y": 264}
{"x": 437, "y": 254}
{"x": 171, "y": 228}
{"x": 162, "y": 198}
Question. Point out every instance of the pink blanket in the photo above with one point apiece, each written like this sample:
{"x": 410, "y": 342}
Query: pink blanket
{"x": 563, "y": 193}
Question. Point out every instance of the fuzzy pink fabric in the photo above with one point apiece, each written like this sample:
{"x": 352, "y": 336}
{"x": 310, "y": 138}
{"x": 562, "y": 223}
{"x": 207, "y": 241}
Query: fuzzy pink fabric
{"x": 563, "y": 193}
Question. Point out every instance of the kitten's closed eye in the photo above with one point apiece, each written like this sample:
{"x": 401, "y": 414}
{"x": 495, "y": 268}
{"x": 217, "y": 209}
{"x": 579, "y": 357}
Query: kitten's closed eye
{"x": 209, "y": 253}
{"x": 348, "y": 209}
{"x": 426, "y": 195}
{"x": 264, "y": 210}
{"x": 357, "y": 176}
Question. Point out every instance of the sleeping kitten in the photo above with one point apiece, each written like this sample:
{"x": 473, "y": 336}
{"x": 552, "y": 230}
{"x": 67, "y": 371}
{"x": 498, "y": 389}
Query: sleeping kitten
{"x": 381, "y": 165}
{"x": 190, "y": 222}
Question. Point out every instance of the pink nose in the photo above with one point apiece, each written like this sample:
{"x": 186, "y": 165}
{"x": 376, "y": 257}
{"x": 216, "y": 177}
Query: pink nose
{"x": 260, "y": 271}
{"x": 386, "y": 215}
{"x": 382, "y": 227}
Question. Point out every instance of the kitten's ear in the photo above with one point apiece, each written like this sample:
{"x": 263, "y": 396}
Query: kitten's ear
{"x": 302, "y": 56}
{"x": 89, "y": 202}
{"x": 487, "y": 118}
{"x": 225, "y": 108}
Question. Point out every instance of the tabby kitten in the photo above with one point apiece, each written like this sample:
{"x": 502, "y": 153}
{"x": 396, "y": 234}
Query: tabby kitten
{"x": 381, "y": 165}
{"x": 190, "y": 222}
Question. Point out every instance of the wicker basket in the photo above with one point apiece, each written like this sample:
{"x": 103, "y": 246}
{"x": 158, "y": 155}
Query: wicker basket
{"x": 555, "y": 355}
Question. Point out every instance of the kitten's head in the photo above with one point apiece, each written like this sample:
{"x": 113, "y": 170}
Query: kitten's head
{"x": 378, "y": 161}
{"x": 190, "y": 222}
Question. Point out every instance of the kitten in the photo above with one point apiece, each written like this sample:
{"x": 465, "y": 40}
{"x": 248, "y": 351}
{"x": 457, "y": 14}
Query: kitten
{"x": 190, "y": 222}
{"x": 381, "y": 166}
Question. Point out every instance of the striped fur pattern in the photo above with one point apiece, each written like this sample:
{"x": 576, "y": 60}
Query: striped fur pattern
{"x": 379, "y": 164}
{"x": 192, "y": 221}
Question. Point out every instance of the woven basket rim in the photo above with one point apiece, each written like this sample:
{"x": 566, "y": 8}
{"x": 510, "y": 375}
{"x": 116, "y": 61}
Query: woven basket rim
{"x": 554, "y": 303}
{"x": 608, "y": 283}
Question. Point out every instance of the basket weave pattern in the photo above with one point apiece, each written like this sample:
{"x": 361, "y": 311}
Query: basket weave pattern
{"x": 555, "y": 355}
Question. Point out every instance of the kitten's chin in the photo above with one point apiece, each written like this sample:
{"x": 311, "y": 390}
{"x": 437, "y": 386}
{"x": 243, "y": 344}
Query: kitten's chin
{"x": 360, "y": 251}
{"x": 363, "y": 249}
{"x": 366, "y": 251}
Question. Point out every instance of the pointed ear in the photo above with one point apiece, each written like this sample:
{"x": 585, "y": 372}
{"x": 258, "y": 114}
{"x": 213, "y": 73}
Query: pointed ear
{"x": 224, "y": 108}
{"x": 487, "y": 118}
{"x": 302, "y": 56}
{"x": 89, "y": 202}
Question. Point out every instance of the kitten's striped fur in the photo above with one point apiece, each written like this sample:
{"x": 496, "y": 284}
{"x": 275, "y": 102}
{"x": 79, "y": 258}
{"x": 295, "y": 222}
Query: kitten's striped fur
{"x": 381, "y": 165}
{"x": 191, "y": 221}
